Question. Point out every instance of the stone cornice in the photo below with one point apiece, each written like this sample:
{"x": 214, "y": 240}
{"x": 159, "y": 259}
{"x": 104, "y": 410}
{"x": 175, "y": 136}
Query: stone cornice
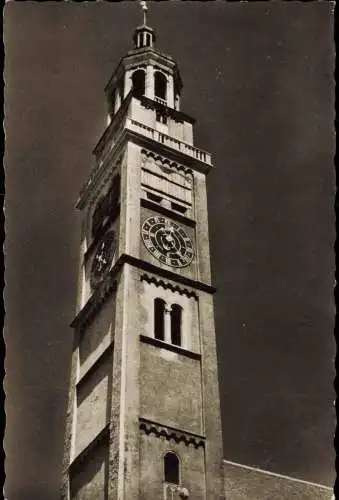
{"x": 85, "y": 376}
{"x": 170, "y": 347}
{"x": 85, "y": 454}
{"x": 168, "y": 285}
{"x": 128, "y": 133}
{"x": 148, "y": 427}
{"x": 137, "y": 56}
{"x": 109, "y": 285}
{"x": 156, "y": 53}
{"x": 159, "y": 147}
{"x": 147, "y": 266}
{"x": 122, "y": 132}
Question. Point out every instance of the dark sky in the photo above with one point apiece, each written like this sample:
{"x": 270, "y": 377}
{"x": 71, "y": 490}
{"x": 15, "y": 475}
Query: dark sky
{"x": 259, "y": 79}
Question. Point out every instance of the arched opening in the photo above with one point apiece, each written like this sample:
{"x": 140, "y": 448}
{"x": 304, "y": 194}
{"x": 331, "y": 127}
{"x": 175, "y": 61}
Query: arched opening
{"x": 138, "y": 83}
{"x": 160, "y": 85}
{"x": 176, "y": 316}
{"x": 171, "y": 467}
{"x": 140, "y": 40}
{"x": 159, "y": 319}
{"x": 177, "y": 101}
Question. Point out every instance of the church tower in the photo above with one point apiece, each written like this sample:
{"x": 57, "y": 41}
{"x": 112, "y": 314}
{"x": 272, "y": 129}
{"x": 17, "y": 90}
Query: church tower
{"x": 143, "y": 420}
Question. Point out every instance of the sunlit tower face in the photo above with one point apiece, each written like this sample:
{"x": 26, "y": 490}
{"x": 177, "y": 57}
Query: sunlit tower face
{"x": 144, "y": 412}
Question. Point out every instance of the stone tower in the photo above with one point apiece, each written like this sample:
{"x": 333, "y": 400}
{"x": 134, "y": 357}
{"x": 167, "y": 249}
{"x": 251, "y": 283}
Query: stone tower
{"x": 143, "y": 418}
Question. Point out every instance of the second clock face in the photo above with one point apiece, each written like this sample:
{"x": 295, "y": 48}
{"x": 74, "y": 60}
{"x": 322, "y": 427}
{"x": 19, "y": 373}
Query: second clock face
{"x": 167, "y": 241}
{"x": 103, "y": 258}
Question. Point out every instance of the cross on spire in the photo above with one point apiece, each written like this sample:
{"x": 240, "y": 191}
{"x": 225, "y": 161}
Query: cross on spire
{"x": 144, "y": 7}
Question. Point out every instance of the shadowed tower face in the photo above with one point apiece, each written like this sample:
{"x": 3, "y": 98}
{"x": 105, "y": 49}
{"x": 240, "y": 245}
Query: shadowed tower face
{"x": 143, "y": 418}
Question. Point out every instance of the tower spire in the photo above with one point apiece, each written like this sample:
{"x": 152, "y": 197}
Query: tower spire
{"x": 144, "y": 7}
{"x": 144, "y": 35}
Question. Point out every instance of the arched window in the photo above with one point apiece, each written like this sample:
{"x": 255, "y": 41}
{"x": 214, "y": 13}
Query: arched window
{"x": 177, "y": 101}
{"x": 171, "y": 467}
{"x": 159, "y": 319}
{"x": 138, "y": 82}
{"x": 160, "y": 85}
{"x": 176, "y": 314}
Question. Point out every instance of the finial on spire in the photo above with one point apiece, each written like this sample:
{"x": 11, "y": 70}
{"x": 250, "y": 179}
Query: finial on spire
{"x": 144, "y": 7}
{"x": 144, "y": 35}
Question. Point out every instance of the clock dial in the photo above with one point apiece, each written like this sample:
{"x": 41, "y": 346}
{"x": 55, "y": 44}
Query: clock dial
{"x": 103, "y": 258}
{"x": 167, "y": 241}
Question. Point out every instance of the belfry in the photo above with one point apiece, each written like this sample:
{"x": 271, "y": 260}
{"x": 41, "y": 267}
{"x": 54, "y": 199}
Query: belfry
{"x": 143, "y": 419}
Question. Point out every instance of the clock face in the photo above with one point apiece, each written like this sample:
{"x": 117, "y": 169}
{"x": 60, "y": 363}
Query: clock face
{"x": 103, "y": 258}
{"x": 167, "y": 241}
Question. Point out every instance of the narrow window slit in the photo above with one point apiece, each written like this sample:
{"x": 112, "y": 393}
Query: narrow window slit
{"x": 159, "y": 319}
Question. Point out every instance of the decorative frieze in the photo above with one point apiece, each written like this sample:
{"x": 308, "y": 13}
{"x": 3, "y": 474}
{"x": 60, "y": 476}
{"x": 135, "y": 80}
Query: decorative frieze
{"x": 149, "y": 427}
{"x": 167, "y": 285}
{"x": 165, "y": 273}
{"x": 165, "y": 164}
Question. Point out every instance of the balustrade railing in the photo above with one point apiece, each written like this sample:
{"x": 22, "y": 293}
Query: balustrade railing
{"x": 140, "y": 128}
{"x": 167, "y": 140}
{"x": 160, "y": 100}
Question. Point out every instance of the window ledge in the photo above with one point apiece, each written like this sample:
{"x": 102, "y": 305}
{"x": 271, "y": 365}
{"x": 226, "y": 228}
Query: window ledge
{"x": 167, "y": 212}
{"x": 95, "y": 364}
{"x": 170, "y": 347}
